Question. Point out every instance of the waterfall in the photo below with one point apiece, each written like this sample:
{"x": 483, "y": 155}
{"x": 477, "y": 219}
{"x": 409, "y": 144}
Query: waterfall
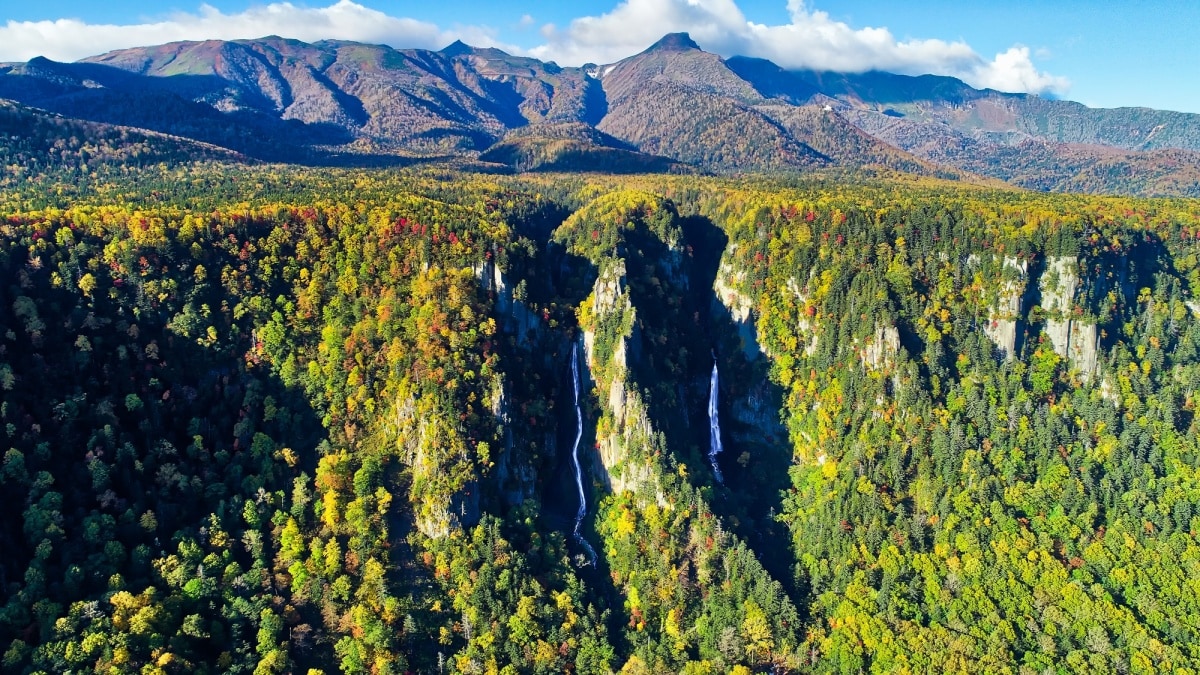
{"x": 575, "y": 459}
{"x": 714, "y": 425}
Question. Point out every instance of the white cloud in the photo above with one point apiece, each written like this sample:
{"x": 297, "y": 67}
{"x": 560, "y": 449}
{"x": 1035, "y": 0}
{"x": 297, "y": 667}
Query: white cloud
{"x": 634, "y": 24}
{"x": 71, "y": 39}
{"x": 1014, "y": 71}
{"x": 811, "y": 39}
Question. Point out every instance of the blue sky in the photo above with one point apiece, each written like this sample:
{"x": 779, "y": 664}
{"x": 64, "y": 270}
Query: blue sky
{"x": 1100, "y": 52}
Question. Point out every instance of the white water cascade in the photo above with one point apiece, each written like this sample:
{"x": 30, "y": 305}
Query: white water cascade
{"x": 575, "y": 460}
{"x": 714, "y": 425}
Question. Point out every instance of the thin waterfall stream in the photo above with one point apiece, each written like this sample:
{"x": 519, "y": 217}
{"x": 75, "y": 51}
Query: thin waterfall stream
{"x": 714, "y": 425}
{"x": 575, "y": 460}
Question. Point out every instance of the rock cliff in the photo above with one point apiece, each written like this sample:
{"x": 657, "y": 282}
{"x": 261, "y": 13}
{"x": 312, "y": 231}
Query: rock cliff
{"x": 1008, "y": 314}
{"x": 623, "y": 434}
{"x": 1071, "y": 337}
{"x": 737, "y": 306}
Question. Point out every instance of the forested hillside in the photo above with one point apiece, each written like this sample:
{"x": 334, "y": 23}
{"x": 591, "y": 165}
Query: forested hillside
{"x": 273, "y": 419}
{"x": 37, "y": 143}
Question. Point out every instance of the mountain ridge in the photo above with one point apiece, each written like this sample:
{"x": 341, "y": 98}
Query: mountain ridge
{"x": 280, "y": 99}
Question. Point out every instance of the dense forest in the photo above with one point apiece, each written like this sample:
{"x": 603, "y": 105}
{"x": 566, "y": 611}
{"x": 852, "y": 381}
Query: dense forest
{"x": 266, "y": 419}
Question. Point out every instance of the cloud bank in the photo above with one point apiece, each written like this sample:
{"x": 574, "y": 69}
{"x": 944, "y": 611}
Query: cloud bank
{"x": 71, "y": 39}
{"x": 811, "y": 39}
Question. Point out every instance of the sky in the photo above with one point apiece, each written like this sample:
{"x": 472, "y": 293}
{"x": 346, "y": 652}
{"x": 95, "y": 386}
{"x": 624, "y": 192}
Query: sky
{"x": 1104, "y": 53}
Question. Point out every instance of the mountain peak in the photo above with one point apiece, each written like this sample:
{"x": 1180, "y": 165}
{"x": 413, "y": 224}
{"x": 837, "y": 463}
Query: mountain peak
{"x": 675, "y": 42}
{"x": 458, "y": 48}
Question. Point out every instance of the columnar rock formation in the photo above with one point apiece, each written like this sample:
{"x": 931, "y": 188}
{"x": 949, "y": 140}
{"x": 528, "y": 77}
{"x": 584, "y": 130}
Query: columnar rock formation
{"x": 1071, "y": 337}
{"x": 1007, "y": 314}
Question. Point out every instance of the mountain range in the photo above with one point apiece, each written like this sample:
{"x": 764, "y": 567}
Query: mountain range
{"x": 673, "y": 106}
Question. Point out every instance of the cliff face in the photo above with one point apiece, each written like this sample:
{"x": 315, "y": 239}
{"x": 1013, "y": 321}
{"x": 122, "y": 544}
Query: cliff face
{"x": 625, "y": 428}
{"x": 1058, "y": 285}
{"x": 447, "y": 483}
{"x": 1071, "y": 335}
{"x": 806, "y": 328}
{"x": 1072, "y": 338}
{"x": 513, "y": 316}
{"x": 757, "y": 417}
{"x": 738, "y": 307}
{"x": 755, "y": 411}
{"x": 515, "y": 471}
{"x": 444, "y": 488}
{"x": 515, "y": 477}
{"x": 879, "y": 352}
{"x": 1005, "y": 317}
